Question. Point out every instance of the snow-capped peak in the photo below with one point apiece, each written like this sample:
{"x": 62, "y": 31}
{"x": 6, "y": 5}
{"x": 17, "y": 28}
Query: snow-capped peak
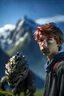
{"x": 4, "y": 31}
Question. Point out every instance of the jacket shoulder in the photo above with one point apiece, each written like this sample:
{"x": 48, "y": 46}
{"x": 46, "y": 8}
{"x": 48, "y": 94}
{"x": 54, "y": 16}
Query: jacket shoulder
{"x": 60, "y": 67}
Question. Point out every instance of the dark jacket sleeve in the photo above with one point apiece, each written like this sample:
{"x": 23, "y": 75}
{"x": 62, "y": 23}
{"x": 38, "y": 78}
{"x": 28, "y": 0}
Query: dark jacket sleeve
{"x": 60, "y": 74}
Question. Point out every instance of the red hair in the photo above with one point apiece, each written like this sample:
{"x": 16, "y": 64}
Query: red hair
{"x": 48, "y": 29}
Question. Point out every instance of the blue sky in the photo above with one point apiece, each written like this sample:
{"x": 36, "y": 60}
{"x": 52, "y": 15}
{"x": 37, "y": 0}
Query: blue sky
{"x": 12, "y": 10}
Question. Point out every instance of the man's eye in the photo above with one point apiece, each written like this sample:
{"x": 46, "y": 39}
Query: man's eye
{"x": 50, "y": 41}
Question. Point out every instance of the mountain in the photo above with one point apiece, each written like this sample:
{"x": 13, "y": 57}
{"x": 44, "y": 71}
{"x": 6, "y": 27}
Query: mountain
{"x": 14, "y": 37}
{"x": 21, "y": 38}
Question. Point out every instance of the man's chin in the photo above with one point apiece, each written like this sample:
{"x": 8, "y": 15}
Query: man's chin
{"x": 46, "y": 53}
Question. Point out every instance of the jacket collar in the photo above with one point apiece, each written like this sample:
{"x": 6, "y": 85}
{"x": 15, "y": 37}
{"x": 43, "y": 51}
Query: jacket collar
{"x": 49, "y": 67}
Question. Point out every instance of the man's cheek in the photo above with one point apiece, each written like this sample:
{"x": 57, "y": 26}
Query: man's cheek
{"x": 53, "y": 47}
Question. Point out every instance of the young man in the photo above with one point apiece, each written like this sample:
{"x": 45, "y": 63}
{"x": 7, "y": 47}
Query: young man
{"x": 50, "y": 39}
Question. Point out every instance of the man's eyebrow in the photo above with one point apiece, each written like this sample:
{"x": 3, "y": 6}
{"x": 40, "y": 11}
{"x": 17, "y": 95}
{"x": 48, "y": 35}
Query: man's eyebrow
{"x": 50, "y": 37}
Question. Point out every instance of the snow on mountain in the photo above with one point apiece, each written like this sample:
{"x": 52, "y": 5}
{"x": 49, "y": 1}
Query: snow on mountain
{"x": 4, "y": 31}
{"x": 12, "y": 35}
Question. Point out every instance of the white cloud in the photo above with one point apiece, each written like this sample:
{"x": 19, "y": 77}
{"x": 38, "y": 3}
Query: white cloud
{"x": 58, "y": 18}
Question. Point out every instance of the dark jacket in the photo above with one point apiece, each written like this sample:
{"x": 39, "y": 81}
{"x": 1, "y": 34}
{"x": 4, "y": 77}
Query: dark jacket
{"x": 54, "y": 83}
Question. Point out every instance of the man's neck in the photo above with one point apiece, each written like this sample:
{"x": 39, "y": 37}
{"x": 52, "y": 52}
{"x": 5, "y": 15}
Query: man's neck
{"x": 50, "y": 57}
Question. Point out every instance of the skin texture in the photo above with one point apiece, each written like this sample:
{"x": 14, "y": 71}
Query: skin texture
{"x": 48, "y": 46}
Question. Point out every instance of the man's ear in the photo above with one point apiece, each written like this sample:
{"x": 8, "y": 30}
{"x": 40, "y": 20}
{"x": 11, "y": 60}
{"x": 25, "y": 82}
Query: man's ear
{"x": 60, "y": 42}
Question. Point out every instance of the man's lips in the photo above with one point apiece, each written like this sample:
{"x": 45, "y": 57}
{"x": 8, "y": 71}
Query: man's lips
{"x": 45, "y": 50}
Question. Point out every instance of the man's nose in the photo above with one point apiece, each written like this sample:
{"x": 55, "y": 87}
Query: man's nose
{"x": 44, "y": 44}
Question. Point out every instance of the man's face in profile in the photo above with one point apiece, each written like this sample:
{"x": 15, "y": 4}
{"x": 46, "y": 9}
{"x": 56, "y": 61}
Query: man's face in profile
{"x": 47, "y": 44}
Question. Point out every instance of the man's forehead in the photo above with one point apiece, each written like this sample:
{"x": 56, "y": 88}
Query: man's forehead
{"x": 46, "y": 35}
